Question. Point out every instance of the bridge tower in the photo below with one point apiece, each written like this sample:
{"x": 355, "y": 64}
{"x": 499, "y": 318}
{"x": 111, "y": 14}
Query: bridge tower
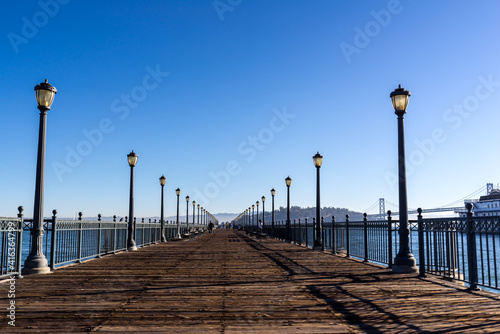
{"x": 381, "y": 208}
{"x": 489, "y": 188}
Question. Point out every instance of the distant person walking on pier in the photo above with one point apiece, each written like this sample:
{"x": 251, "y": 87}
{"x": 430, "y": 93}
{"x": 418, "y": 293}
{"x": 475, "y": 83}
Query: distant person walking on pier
{"x": 210, "y": 227}
{"x": 260, "y": 225}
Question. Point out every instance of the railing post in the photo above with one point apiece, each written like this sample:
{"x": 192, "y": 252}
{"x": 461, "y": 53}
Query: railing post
{"x": 150, "y": 232}
{"x": 314, "y": 230}
{"x": 305, "y": 229}
{"x": 99, "y": 236}
{"x": 323, "y": 239}
{"x": 347, "y": 235}
{"x": 421, "y": 245}
{"x": 300, "y": 234}
{"x": 167, "y": 228}
{"x": 79, "y": 251}
{"x": 471, "y": 249}
{"x": 53, "y": 241}
{"x": 126, "y": 221}
{"x": 294, "y": 232}
{"x": 159, "y": 232}
{"x": 389, "y": 233}
{"x": 155, "y": 232}
{"x": 365, "y": 235}
{"x": 334, "y": 237}
{"x": 135, "y": 227}
{"x": 142, "y": 234}
{"x": 452, "y": 249}
{"x": 19, "y": 245}
{"x": 114, "y": 239}
{"x": 148, "y": 227}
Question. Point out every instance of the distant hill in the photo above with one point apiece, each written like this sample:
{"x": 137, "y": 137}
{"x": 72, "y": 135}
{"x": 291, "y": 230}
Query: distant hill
{"x": 297, "y": 212}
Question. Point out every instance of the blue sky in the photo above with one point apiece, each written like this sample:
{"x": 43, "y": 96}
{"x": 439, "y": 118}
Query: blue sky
{"x": 227, "y": 98}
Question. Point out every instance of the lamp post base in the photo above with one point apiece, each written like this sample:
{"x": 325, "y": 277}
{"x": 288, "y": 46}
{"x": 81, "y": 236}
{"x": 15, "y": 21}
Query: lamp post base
{"x": 318, "y": 246}
{"x": 36, "y": 265}
{"x": 35, "y": 271}
{"x": 131, "y": 246}
{"x": 405, "y": 265}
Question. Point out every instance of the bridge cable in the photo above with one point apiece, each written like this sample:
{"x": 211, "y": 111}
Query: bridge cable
{"x": 371, "y": 207}
{"x": 463, "y": 198}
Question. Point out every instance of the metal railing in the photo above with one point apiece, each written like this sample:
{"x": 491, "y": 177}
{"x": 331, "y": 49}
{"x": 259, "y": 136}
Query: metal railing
{"x": 75, "y": 241}
{"x": 147, "y": 233}
{"x": 69, "y": 241}
{"x": 458, "y": 248}
{"x": 11, "y": 235}
{"x": 462, "y": 248}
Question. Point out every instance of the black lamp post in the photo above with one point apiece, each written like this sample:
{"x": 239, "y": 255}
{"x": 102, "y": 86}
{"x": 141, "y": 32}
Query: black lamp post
{"x": 178, "y": 193}
{"x": 257, "y": 203}
{"x": 263, "y": 198}
{"x": 36, "y": 262}
{"x": 187, "y": 213}
{"x": 132, "y": 161}
{"x": 288, "y": 182}
{"x": 273, "y": 192}
{"x": 318, "y": 240}
{"x": 198, "y": 206}
{"x": 253, "y": 216}
{"x": 163, "y": 180}
{"x": 194, "y": 212}
{"x": 404, "y": 262}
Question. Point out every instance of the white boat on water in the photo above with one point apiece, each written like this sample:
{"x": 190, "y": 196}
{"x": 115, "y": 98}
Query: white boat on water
{"x": 487, "y": 205}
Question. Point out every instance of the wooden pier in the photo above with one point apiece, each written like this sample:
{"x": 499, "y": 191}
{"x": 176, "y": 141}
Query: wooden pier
{"x": 227, "y": 282}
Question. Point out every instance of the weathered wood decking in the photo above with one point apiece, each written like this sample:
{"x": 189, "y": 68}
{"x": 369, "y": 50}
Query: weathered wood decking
{"x": 227, "y": 282}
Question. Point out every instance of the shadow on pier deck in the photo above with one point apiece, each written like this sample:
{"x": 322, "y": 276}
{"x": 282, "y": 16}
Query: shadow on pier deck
{"x": 227, "y": 282}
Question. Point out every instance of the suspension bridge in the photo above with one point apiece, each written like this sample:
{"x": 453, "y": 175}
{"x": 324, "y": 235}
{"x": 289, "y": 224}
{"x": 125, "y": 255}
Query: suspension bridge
{"x": 453, "y": 206}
